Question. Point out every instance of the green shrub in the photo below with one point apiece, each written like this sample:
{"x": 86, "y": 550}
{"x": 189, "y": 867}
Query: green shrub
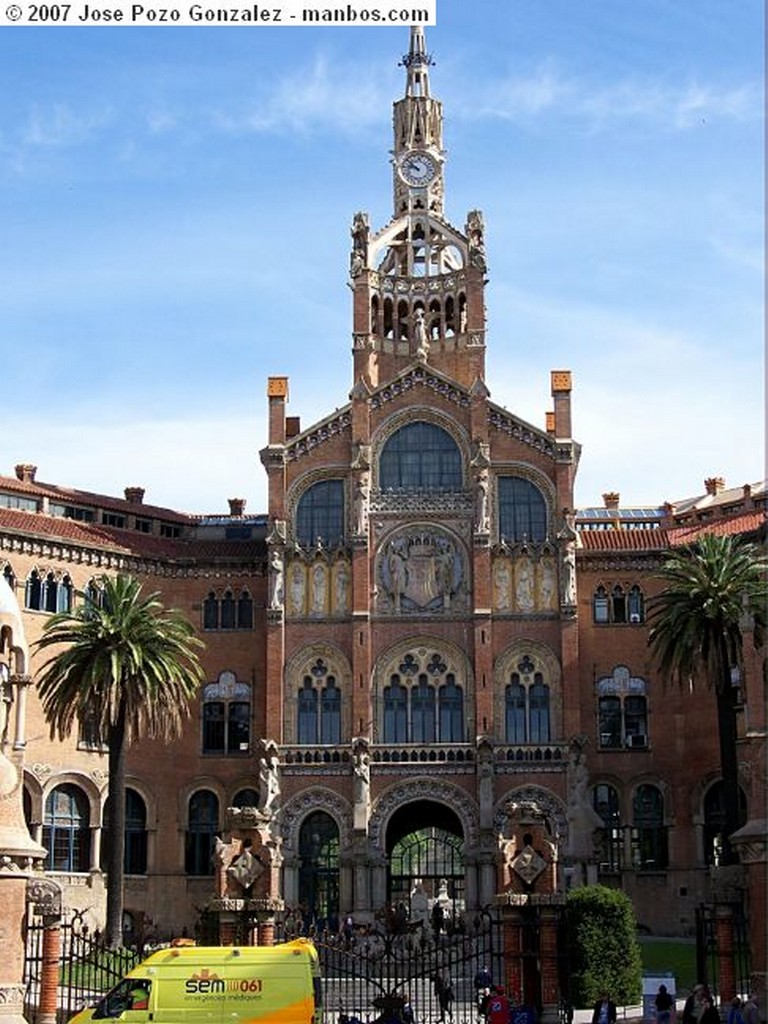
{"x": 603, "y": 953}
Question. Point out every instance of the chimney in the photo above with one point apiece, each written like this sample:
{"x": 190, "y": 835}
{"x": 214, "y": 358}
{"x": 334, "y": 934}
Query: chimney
{"x": 135, "y": 495}
{"x": 236, "y": 507}
{"x": 25, "y": 472}
{"x": 292, "y": 426}
{"x": 611, "y": 500}
{"x": 714, "y": 485}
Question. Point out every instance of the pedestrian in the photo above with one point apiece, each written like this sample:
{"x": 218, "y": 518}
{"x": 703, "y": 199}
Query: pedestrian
{"x": 709, "y": 1013}
{"x": 604, "y": 1011}
{"x": 483, "y": 984}
{"x": 692, "y": 1008}
{"x": 750, "y": 1011}
{"x": 735, "y": 1015}
{"x": 499, "y": 1007}
{"x": 664, "y": 1004}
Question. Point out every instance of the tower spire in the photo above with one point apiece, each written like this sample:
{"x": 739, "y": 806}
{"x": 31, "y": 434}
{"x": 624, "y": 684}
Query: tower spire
{"x": 417, "y": 63}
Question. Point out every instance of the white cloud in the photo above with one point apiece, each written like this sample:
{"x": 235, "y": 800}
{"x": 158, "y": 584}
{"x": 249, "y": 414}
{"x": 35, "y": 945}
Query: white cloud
{"x": 665, "y": 105}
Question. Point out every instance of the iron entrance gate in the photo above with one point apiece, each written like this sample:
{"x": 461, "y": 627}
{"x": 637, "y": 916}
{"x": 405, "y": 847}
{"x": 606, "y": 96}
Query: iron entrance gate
{"x": 371, "y": 971}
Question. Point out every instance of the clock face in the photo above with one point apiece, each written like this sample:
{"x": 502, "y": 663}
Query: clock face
{"x": 417, "y": 168}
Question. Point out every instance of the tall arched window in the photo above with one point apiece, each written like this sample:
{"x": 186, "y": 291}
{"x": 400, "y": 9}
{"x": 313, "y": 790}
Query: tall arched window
{"x": 202, "y": 826}
{"x": 320, "y": 514}
{"x": 318, "y": 707}
{"x": 420, "y": 456}
{"x": 319, "y": 870}
{"x": 606, "y": 804}
{"x": 66, "y": 835}
{"x": 527, "y": 706}
{"x": 211, "y": 611}
{"x": 135, "y": 833}
{"x": 227, "y": 610}
{"x": 649, "y": 834}
{"x": 522, "y": 510}
{"x": 423, "y": 702}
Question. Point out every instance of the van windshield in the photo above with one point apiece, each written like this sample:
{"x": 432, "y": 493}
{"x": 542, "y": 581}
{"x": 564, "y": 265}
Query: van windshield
{"x": 130, "y": 994}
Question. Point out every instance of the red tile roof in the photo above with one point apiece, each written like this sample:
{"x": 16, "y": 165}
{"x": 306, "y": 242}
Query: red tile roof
{"x": 746, "y": 522}
{"x": 624, "y": 540}
{"x": 72, "y": 496}
{"x": 128, "y": 542}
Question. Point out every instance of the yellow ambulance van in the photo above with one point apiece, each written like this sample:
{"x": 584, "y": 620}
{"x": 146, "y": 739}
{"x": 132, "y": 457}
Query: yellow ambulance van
{"x": 217, "y": 985}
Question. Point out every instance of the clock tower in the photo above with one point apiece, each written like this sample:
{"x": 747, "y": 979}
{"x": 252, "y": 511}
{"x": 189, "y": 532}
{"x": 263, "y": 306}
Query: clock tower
{"x": 418, "y": 282}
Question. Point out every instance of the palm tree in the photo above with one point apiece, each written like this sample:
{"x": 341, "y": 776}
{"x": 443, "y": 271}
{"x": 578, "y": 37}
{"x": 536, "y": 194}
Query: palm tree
{"x": 126, "y": 669}
{"x": 712, "y": 590}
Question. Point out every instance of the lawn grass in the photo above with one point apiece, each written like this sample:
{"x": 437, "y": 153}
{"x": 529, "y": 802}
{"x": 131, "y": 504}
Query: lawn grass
{"x": 677, "y": 956}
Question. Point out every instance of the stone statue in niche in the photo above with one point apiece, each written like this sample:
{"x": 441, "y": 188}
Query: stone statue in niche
{"x": 420, "y": 336}
{"x": 482, "y": 521}
{"x": 361, "y": 505}
{"x": 569, "y": 576}
{"x": 275, "y": 580}
{"x": 360, "y": 233}
{"x": 269, "y": 779}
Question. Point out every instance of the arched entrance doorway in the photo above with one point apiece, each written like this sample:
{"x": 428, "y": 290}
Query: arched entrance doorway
{"x": 425, "y": 853}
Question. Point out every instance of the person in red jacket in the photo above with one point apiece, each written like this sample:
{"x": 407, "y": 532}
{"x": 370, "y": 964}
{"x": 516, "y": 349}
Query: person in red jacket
{"x": 499, "y": 1008}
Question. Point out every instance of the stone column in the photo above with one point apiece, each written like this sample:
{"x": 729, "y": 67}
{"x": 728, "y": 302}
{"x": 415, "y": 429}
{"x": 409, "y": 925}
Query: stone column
{"x": 49, "y": 980}
{"x": 726, "y": 968}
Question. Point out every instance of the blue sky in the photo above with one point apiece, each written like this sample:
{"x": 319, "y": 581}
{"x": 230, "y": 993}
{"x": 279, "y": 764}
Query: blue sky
{"x": 175, "y": 211}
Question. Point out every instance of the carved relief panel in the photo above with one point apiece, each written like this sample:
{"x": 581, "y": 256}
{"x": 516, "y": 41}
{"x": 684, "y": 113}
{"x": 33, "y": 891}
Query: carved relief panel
{"x": 525, "y": 581}
{"x": 317, "y": 587}
{"x": 423, "y": 570}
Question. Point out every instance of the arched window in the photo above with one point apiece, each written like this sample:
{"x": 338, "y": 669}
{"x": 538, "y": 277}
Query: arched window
{"x": 202, "y": 826}
{"x": 227, "y": 610}
{"x": 649, "y": 834}
{"x": 245, "y": 611}
{"x": 135, "y": 833}
{"x": 93, "y": 594}
{"x": 64, "y": 595}
{"x": 330, "y": 713}
{"x": 420, "y": 456}
{"x": 50, "y": 593}
{"x": 66, "y": 835}
{"x": 320, "y": 514}
{"x": 622, "y": 708}
{"x": 606, "y": 804}
{"x": 10, "y": 579}
{"x": 522, "y": 510}
{"x": 226, "y": 716}
{"x": 211, "y": 611}
{"x": 618, "y": 606}
{"x": 714, "y": 821}
{"x": 318, "y": 707}
{"x": 423, "y": 702}
{"x": 33, "y": 592}
{"x": 395, "y": 713}
{"x": 450, "y": 706}
{"x": 246, "y": 798}
{"x": 527, "y": 706}
{"x": 319, "y": 870}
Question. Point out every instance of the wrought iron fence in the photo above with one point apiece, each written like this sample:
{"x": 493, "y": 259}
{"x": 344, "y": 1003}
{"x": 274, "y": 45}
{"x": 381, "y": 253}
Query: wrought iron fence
{"x": 86, "y": 967}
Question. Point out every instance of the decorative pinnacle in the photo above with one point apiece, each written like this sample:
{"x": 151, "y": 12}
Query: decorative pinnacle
{"x": 417, "y": 62}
